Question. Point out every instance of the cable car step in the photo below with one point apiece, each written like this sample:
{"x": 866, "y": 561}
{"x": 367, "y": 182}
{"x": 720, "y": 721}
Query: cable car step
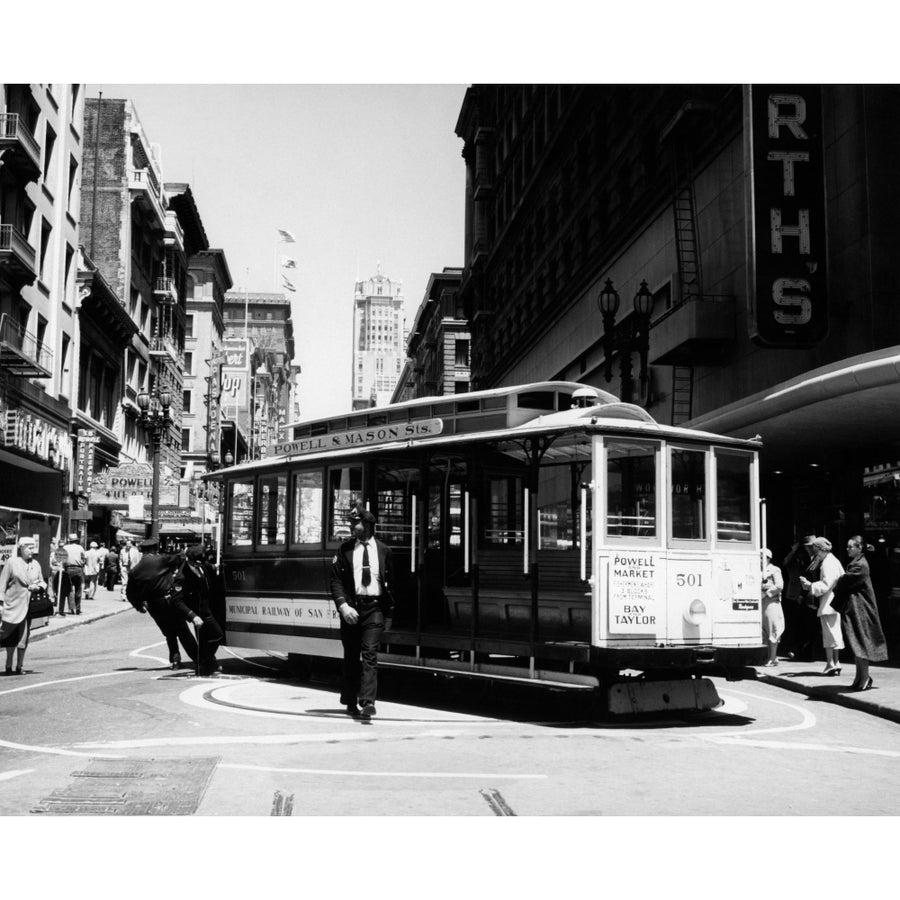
{"x": 632, "y": 697}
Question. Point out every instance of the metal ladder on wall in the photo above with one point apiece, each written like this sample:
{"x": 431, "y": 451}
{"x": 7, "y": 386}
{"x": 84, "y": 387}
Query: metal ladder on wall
{"x": 690, "y": 283}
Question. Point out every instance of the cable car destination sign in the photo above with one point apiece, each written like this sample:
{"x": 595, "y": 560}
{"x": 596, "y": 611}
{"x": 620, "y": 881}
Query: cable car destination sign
{"x": 359, "y": 438}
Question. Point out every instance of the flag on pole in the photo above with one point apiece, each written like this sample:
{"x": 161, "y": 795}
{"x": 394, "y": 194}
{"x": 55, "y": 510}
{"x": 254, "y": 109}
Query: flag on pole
{"x": 288, "y": 263}
{"x": 286, "y": 236}
{"x": 288, "y": 285}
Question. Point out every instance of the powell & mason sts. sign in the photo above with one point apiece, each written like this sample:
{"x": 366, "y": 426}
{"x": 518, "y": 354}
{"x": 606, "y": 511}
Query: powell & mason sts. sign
{"x": 363, "y": 437}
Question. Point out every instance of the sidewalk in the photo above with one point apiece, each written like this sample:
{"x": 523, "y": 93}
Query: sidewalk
{"x": 803, "y": 677}
{"x": 883, "y": 699}
{"x": 104, "y": 603}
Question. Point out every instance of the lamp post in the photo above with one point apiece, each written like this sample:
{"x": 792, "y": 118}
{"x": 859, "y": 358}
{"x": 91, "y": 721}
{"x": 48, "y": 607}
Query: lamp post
{"x": 632, "y": 337}
{"x": 156, "y": 421}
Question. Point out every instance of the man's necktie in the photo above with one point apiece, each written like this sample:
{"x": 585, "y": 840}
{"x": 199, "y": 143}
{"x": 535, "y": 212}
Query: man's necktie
{"x": 366, "y": 571}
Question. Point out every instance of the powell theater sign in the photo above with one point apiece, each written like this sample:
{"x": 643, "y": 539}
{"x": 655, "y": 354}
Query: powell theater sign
{"x": 130, "y": 486}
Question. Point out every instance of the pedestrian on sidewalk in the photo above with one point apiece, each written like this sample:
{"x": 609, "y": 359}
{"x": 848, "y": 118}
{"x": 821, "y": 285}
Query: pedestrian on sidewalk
{"x": 855, "y": 597}
{"x": 55, "y": 584}
{"x": 830, "y": 569}
{"x": 128, "y": 559}
{"x": 773, "y": 615}
{"x": 149, "y": 590}
{"x": 91, "y": 570}
{"x": 73, "y": 576}
{"x": 361, "y": 578}
{"x": 801, "y": 626}
{"x": 111, "y": 568}
{"x": 20, "y": 578}
{"x": 193, "y": 596}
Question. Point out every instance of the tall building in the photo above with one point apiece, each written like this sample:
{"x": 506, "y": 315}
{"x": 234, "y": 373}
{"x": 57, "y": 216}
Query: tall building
{"x": 260, "y": 403}
{"x": 438, "y": 346}
{"x": 378, "y": 340}
{"x": 41, "y": 150}
{"x": 763, "y": 220}
{"x": 209, "y": 280}
{"x": 137, "y": 241}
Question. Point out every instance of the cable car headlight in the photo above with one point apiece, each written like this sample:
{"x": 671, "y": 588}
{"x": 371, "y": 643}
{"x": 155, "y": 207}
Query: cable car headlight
{"x": 695, "y": 614}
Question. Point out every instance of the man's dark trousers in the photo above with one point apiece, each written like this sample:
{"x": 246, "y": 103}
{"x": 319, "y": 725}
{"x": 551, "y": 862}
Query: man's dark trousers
{"x": 173, "y": 628}
{"x": 71, "y": 591}
{"x": 360, "y": 667}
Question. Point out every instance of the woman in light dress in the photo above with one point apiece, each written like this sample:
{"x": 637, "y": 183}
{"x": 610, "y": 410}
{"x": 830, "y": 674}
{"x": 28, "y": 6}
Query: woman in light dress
{"x": 773, "y": 615}
{"x": 21, "y": 576}
{"x": 830, "y": 569}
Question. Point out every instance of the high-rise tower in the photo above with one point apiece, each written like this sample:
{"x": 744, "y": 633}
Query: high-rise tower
{"x": 378, "y": 340}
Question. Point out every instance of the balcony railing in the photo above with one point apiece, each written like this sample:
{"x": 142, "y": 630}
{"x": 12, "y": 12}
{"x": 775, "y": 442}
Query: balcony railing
{"x": 13, "y": 133}
{"x": 17, "y": 253}
{"x": 165, "y": 292}
{"x": 174, "y": 229}
{"x": 166, "y": 345}
{"x": 21, "y": 352}
{"x": 144, "y": 181}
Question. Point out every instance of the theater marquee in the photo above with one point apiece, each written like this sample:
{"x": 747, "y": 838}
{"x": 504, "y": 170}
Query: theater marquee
{"x": 786, "y": 266}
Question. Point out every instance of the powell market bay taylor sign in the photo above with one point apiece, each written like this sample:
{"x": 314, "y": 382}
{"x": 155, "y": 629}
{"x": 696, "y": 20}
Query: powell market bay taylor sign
{"x": 363, "y": 437}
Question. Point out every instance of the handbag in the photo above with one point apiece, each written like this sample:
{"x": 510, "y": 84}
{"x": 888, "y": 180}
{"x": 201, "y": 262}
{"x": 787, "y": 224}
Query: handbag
{"x": 39, "y": 604}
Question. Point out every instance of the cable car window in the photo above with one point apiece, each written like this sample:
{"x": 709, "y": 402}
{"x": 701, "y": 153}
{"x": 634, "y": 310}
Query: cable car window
{"x": 688, "y": 494}
{"x": 559, "y": 507}
{"x": 631, "y": 489}
{"x": 505, "y": 521}
{"x": 240, "y": 513}
{"x": 344, "y": 492}
{"x": 537, "y": 400}
{"x": 271, "y": 527}
{"x": 733, "y": 496}
{"x": 394, "y": 488}
{"x": 308, "y": 491}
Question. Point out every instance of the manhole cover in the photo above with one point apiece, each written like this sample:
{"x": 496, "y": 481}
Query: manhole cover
{"x": 135, "y": 787}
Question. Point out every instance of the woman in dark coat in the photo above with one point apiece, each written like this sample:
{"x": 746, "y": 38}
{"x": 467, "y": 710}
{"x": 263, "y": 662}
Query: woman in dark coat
{"x": 854, "y": 594}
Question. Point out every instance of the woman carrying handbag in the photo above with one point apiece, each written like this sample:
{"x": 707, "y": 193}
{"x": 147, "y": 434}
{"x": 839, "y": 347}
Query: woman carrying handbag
{"x": 20, "y": 579}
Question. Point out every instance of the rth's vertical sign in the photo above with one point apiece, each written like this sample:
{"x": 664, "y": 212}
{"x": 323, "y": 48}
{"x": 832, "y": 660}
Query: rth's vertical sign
{"x": 786, "y": 270}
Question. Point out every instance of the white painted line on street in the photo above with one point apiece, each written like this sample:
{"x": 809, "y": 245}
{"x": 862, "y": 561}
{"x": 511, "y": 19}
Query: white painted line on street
{"x": 805, "y": 748}
{"x": 38, "y": 684}
{"x": 14, "y": 773}
{"x": 807, "y": 719}
{"x": 142, "y": 655}
{"x": 228, "y": 739}
{"x": 52, "y": 751}
{"x": 379, "y": 774}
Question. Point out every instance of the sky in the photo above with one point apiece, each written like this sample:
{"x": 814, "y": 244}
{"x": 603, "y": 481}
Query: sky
{"x": 361, "y": 175}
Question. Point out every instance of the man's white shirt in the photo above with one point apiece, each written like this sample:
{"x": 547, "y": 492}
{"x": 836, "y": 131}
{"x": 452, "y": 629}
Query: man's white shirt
{"x": 373, "y": 588}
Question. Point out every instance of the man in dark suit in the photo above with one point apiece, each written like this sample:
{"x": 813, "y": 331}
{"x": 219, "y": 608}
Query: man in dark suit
{"x": 361, "y": 576}
{"x": 193, "y": 595}
{"x": 149, "y": 590}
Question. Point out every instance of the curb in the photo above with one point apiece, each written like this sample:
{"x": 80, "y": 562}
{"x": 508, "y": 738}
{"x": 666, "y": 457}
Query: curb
{"x": 848, "y": 701}
{"x": 43, "y": 635}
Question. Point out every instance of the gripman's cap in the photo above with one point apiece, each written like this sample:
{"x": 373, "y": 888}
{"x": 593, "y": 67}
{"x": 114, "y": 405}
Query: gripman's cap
{"x": 360, "y": 513}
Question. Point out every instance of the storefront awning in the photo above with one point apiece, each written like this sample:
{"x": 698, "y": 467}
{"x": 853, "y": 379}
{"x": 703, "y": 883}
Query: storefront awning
{"x": 838, "y": 408}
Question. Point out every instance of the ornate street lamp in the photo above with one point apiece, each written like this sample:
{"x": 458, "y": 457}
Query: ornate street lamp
{"x": 156, "y": 421}
{"x": 633, "y": 338}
